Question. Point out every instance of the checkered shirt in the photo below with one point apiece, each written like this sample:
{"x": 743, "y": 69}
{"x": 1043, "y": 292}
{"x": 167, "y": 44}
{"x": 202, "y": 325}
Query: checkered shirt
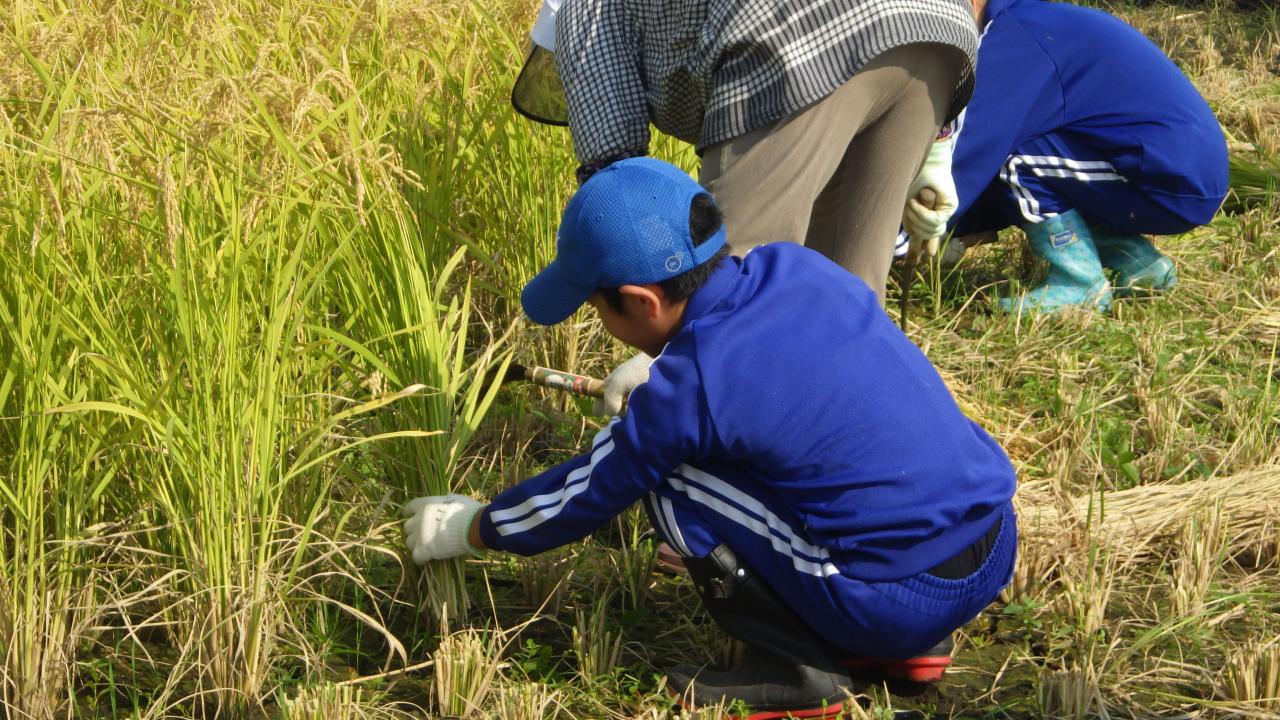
{"x": 706, "y": 71}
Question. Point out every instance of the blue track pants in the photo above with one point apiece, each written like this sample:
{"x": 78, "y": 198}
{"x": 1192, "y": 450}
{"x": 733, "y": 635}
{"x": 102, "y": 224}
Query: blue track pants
{"x": 1054, "y": 173}
{"x": 694, "y": 511}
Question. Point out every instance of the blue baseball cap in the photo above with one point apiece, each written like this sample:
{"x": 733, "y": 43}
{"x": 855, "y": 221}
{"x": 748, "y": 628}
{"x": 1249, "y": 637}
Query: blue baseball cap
{"x": 627, "y": 225}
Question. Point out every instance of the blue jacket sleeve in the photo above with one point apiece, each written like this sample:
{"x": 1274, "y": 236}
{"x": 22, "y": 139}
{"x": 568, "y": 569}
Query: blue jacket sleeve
{"x": 666, "y": 425}
{"x": 1018, "y": 96}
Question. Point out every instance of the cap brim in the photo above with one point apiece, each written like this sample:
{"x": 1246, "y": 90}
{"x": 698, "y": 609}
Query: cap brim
{"x": 538, "y": 93}
{"x": 551, "y": 297}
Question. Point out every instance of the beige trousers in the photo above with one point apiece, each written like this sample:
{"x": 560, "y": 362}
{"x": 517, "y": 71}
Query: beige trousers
{"x": 834, "y": 176}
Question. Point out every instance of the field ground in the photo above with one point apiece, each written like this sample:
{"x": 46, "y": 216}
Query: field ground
{"x": 259, "y": 257}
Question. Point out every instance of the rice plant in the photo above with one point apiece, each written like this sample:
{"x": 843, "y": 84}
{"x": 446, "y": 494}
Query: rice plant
{"x": 1251, "y": 675}
{"x": 545, "y": 578}
{"x": 418, "y": 333}
{"x": 634, "y": 558}
{"x": 597, "y": 642}
{"x": 526, "y": 701}
{"x": 1201, "y": 548}
{"x": 466, "y": 665}
{"x": 1037, "y": 564}
{"x": 51, "y": 507}
{"x": 1254, "y": 182}
{"x": 331, "y": 701}
{"x": 1071, "y": 693}
{"x": 188, "y": 295}
{"x": 1087, "y": 585}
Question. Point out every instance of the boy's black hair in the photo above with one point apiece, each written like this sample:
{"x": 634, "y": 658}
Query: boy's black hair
{"x": 705, "y": 219}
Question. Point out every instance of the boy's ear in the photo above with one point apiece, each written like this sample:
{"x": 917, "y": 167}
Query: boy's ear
{"x": 647, "y": 299}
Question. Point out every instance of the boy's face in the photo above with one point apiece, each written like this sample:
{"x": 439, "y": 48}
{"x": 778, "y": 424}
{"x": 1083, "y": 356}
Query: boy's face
{"x": 647, "y": 321}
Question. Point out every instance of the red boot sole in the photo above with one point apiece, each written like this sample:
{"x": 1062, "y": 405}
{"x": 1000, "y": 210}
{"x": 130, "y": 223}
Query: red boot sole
{"x": 919, "y": 669}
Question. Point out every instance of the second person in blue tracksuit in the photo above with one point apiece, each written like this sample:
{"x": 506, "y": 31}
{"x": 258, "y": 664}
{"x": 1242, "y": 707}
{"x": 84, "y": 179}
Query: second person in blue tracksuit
{"x": 1083, "y": 133}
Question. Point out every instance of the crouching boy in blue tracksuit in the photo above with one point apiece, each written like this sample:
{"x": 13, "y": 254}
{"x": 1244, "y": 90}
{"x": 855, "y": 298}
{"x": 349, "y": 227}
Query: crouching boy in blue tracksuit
{"x": 830, "y": 500}
{"x": 1083, "y": 133}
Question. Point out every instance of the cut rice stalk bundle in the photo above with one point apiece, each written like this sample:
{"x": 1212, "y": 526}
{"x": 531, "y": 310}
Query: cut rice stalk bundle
{"x": 1253, "y": 182}
{"x": 1138, "y": 522}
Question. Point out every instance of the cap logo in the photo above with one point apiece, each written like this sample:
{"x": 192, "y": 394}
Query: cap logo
{"x": 674, "y": 262}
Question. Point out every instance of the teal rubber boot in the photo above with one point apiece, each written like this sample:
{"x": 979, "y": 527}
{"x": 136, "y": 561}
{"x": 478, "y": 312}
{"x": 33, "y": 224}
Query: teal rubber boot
{"x": 1138, "y": 266}
{"x": 1075, "y": 273}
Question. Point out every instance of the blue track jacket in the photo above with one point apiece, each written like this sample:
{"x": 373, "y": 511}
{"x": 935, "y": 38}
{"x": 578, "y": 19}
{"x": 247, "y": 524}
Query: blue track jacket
{"x": 786, "y": 371}
{"x": 1048, "y": 67}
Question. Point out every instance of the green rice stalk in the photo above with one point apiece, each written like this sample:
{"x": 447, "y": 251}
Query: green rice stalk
{"x": 633, "y": 561}
{"x": 52, "y": 478}
{"x": 169, "y": 335}
{"x": 597, "y": 642}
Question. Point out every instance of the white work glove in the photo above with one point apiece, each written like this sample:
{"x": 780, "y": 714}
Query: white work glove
{"x": 438, "y": 525}
{"x": 619, "y": 384}
{"x": 924, "y": 224}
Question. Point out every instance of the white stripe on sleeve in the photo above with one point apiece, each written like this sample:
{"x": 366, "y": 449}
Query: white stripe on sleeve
{"x": 1062, "y": 162}
{"x": 552, "y": 502}
{"x": 759, "y": 519}
{"x": 1077, "y": 175}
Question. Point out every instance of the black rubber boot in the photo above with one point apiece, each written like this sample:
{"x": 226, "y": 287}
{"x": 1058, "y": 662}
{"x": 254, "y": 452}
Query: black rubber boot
{"x": 788, "y": 670}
